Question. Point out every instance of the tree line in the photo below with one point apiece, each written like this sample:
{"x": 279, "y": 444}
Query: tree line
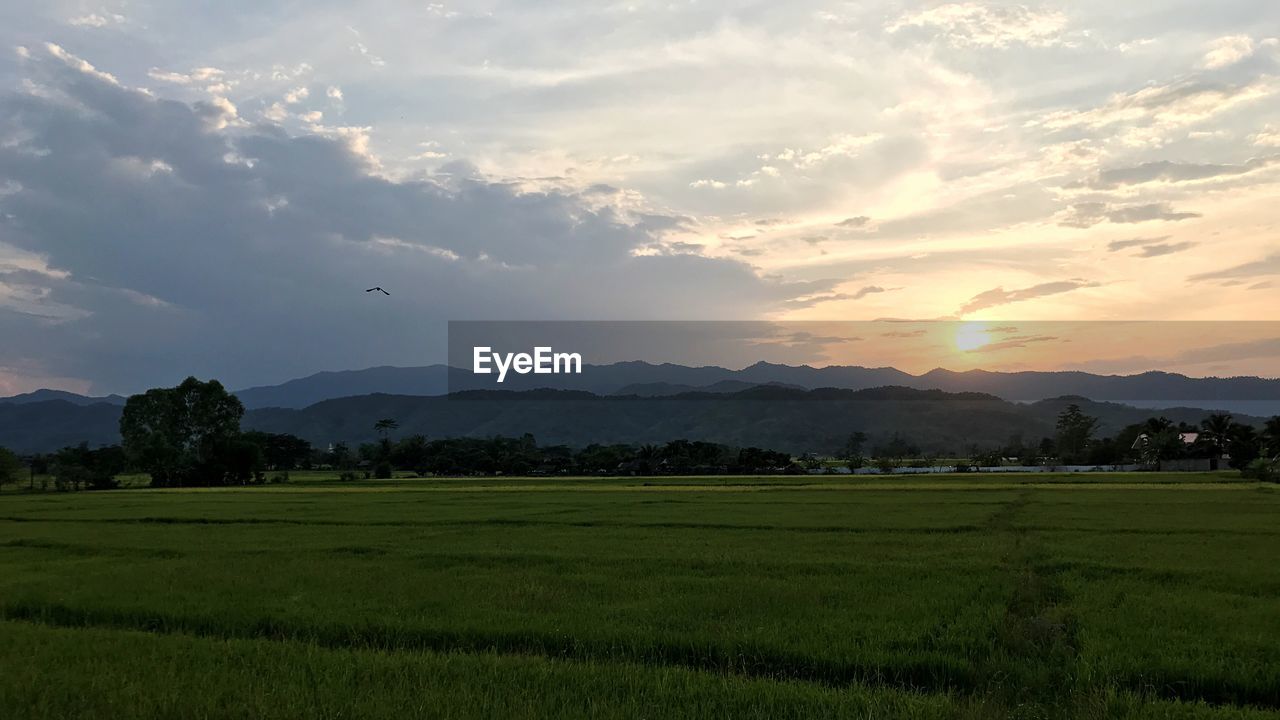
{"x": 1149, "y": 443}
{"x": 190, "y": 436}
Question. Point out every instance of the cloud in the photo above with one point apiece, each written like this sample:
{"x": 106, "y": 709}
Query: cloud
{"x": 1165, "y": 249}
{"x": 242, "y": 251}
{"x": 1017, "y": 341}
{"x": 97, "y": 20}
{"x": 983, "y": 25}
{"x": 841, "y": 146}
{"x": 363, "y": 50}
{"x": 1269, "y": 136}
{"x": 1150, "y": 247}
{"x": 1179, "y": 103}
{"x": 79, "y": 64}
{"x": 812, "y": 300}
{"x": 999, "y": 296}
{"x": 685, "y": 248}
{"x": 1228, "y": 51}
{"x": 1261, "y": 348}
{"x": 869, "y": 290}
{"x": 218, "y": 112}
{"x": 1176, "y": 172}
{"x": 195, "y": 77}
{"x": 1088, "y": 214}
{"x": 1269, "y": 265}
{"x": 816, "y": 299}
{"x": 1115, "y": 245}
{"x": 707, "y": 183}
{"x": 854, "y": 222}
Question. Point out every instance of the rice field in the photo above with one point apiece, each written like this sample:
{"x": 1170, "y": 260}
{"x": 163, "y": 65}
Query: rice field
{"x": 964, "y": 596}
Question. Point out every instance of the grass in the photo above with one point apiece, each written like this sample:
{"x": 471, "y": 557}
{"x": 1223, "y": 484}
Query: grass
{"x": 663, "y": 597}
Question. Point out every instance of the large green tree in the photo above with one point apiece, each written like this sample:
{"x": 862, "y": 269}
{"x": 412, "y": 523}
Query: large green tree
{"x": 187, "y": 435}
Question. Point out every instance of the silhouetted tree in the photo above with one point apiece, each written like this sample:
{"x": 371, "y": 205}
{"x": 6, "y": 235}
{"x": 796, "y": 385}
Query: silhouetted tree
{"x": 1214, "y": 432}
{"x": 897, "y": 448}
{"x": 1271, "y": 438}
{"x": 10, "y": 467}
{"x": 853, "y": 446}
{"x": 339, "y": 456}
{"x": 1243, "y": 444}
{"x": 1163, "y": 444}
{"x": 280, "y": 451}
{"x": 187, "y": 435}
{"x": 411, "y": 454}
{"x": 1075, "y": 429}
{"x": 76, "y": 468}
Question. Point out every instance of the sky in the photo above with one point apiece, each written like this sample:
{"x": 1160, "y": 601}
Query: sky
{"x": 208, "y": 188}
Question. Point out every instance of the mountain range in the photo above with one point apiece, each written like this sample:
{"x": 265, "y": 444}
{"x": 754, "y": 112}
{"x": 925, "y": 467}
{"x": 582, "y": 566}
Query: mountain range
{"x": 781, "y": 418}
{"x": 651, "y": 379}
{"x": 798, "y": 408}
{"x": 648, "y": 379}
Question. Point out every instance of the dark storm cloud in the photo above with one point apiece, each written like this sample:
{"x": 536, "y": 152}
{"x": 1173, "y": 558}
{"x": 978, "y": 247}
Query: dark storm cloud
{"x": 181, "y": 240}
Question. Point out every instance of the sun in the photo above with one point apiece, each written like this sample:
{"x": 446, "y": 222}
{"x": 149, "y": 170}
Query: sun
{"x": 971, "y": 336}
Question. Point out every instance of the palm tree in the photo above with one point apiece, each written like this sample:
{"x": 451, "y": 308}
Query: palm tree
{"x": 385, "y": 425}
{"x": 1271, "y": 437}
{"x": 1164, "y": 444}
{"x": 1244, "y": 444}
{"x": 1216, "y": 429}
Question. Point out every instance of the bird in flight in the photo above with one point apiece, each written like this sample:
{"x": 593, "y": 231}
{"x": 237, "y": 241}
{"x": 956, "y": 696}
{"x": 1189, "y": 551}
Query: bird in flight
{"x": 384, "y": 292}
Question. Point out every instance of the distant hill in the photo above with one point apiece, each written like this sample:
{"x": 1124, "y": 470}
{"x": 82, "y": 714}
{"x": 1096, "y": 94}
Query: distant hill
{"x": 772, "y": 416}
{"x": 48, "y": 425}
{"x": 766, "y": 416}
{"x": 1151, "y": 389}
{"x": 659, "y": 389}
{"x": 47, "y": 395}
{"x": 700, "y": 397}
{"x": 299, "y": 393}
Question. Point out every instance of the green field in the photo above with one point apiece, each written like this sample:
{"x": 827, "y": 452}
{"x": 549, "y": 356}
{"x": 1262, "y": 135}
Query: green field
{"x": 1144, "y": 596}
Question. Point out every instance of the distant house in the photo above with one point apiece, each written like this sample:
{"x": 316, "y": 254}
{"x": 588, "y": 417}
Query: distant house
{"x": 1192, "y": 463}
